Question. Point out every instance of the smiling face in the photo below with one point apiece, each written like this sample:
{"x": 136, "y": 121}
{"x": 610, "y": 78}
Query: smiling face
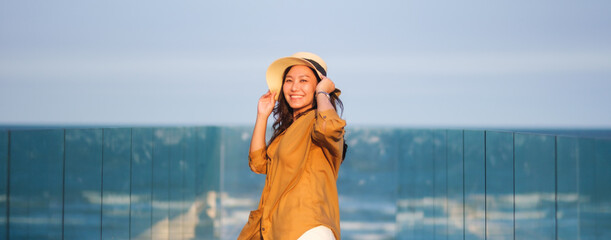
{"x": 299, "y": 88}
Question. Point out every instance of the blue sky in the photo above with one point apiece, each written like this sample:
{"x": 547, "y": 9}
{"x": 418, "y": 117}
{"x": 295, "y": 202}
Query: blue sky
{"x": 399, "y": 63}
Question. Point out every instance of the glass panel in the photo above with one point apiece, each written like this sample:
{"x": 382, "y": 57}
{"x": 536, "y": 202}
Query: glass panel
{"x": 603, "y": 189}
{"x": 116, "y": 183}
{"x": 587, "y": 189}
{"x": 240, "y": 184}
{"x": 475, "y": 185}
{"x": 36, "y": 183}
{"x": 208, "y": 175}
{"x": 141, "y": 184}
{"x": 455, "y": 184}
{"x": 161, "y": 189}
{"x": 176, "y": 182}
{"x": 191, "y": 208}
{"x": 367, "y": 184}
{"x": 567, "y": 155}
{"x": 415, "y": 198}
{"x": 4, "y": 174}
{"x": 165, "y": 184}
{"x": 499, "y": 185}
{"x": 440, "y": 185}
{"x": 83, "y": 184}
{"x": 535, "y": 187}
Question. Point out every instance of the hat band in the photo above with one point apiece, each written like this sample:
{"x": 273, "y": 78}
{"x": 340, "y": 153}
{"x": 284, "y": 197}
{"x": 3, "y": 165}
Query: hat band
{"x": 317, "y": 66}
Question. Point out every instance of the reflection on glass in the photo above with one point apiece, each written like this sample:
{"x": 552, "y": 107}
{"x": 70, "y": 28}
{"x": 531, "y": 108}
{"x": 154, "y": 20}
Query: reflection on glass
{"x": 190, "y": 208}
{"x": 475, "y": 185}
{"x": 430, "y": 198}
{"x": 568, "y": 197}
{"x": 440, "y": 184}
{"x": 36, "y": 182}
{"x": 83, "y": 183}
{"x": 207, "y": 179}
{"x": 241, "y": 188}
{"x": 111, "y": 183}
{"x": 587, "y": 190}
{"x": 116, "y": 170}
{"x": 416, "y": 200}
{"x": 161, "y": 175}
{"x": 3, "y": 181}
{"x": 174, "y": 183}
{"x": 603, "y": 189}
{"x": 141, "y": 184}
{"x": 455, "y": 170}
{"x": 499, "y": 185}
{"x": 535, "y": 186}
{"x": 367, "y": 184}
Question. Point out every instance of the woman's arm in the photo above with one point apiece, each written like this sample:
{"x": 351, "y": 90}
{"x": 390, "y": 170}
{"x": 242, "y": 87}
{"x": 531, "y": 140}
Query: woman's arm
{"x": 323, "y": 101}
{"x": 329, "y": 127}
{"x": 264, "y": 109}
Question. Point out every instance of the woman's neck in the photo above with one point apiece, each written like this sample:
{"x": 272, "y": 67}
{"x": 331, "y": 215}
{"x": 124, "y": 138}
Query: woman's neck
{"x": 300, "y": 113}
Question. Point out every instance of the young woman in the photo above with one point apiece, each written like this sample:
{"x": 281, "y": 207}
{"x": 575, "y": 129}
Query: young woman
{"x": 302, "y": 160}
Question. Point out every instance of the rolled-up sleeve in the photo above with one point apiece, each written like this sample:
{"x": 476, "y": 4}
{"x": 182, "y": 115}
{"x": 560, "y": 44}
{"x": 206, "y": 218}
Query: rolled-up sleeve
{"x": 329, "y": 132}
{"x": 257, "y": 160}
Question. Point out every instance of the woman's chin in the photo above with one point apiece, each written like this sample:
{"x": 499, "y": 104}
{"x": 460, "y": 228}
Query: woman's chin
{"x": 297, "y": 105}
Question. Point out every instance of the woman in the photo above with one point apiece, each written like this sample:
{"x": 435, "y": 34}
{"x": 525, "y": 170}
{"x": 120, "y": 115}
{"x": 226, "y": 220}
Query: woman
{"x": 301, "y": 162}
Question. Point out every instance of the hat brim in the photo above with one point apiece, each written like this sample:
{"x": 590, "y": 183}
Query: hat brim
{"x": 275, "y": 72}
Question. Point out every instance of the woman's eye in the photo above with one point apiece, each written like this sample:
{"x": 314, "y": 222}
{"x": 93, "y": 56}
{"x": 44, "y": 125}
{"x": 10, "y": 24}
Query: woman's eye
{"x": 288, "y": 80}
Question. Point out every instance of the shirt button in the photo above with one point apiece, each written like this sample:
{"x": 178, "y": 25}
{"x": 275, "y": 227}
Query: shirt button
{"x": 262, "y": 229}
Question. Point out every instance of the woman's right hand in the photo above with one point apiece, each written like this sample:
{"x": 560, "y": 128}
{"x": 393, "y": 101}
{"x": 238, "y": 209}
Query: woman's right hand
{"x": 264, "y": 109}
{"x": 266, "y": 104}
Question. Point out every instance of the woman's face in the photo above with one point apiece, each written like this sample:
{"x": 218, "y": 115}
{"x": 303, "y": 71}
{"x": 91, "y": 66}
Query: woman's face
{"x": 299, "y": 88}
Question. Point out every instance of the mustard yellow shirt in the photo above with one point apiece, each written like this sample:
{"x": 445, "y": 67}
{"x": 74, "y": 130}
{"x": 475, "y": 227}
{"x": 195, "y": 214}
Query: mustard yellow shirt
{"x": 301, "y": 165}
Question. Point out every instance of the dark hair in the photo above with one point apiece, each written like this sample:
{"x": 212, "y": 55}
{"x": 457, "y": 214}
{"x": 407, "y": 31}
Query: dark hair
{"x": 283, "y": 113}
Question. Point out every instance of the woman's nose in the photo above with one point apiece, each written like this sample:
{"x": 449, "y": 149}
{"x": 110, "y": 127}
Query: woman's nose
{"x": 294, "y": 86}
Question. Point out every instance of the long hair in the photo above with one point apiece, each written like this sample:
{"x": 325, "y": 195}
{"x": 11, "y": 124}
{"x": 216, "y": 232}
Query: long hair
{"x": 283, "y": 113}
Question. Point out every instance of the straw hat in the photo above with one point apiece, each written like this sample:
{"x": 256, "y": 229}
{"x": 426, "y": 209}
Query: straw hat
{"x": 275, "y": 71}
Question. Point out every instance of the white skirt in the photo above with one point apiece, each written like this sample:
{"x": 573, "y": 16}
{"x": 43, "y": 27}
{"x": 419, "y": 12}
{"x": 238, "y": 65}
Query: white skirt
{"x": 318, "y": 233}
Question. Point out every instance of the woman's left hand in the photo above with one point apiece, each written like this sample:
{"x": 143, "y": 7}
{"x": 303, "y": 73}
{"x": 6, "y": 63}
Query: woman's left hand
{"x": 325, "y": 85}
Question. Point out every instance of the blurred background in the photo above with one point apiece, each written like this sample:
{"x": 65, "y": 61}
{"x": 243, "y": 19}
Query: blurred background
{"x": 473, "y": 63}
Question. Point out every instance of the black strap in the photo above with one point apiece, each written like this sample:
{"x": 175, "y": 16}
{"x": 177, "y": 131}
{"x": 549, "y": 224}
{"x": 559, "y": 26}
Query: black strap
{"x": 317, "y": 66}
{"x": 345, "y": 150}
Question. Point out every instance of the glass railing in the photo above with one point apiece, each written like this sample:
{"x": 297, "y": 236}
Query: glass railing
{"x": 109, "y": 183}
{"x": 195, "y": 183}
